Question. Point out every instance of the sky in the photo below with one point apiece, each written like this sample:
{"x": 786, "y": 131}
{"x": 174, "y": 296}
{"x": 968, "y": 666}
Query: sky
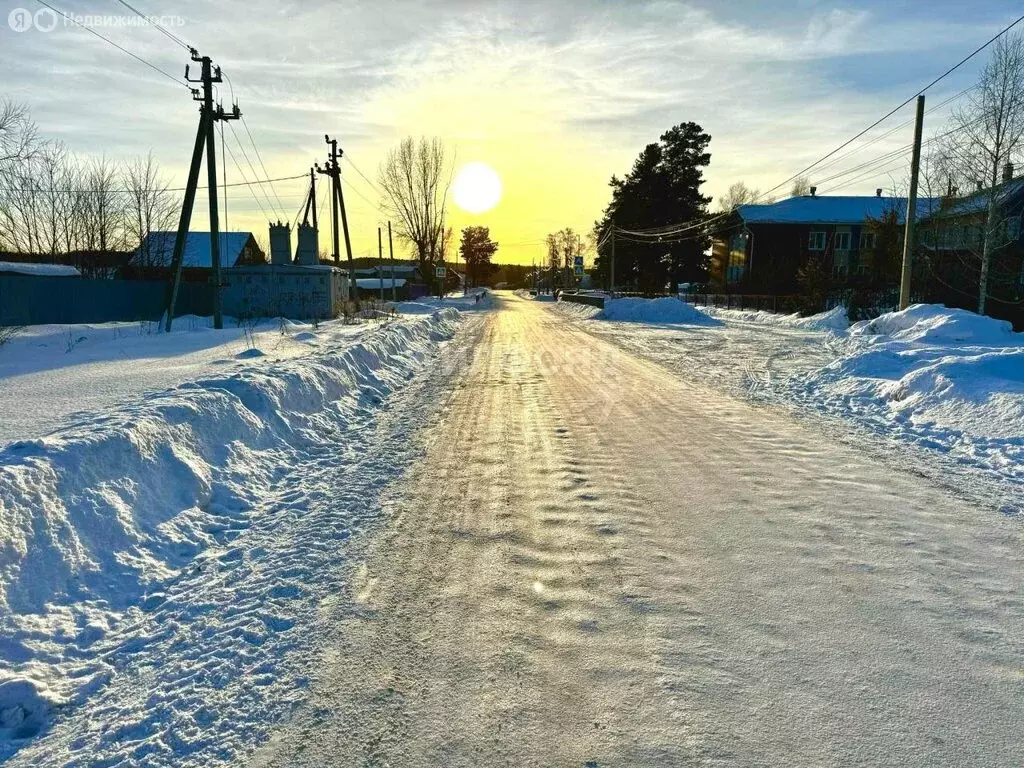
{"x": 556, "y": 97}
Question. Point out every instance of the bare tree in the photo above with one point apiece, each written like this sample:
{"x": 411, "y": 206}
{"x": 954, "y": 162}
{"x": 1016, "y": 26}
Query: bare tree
{"x": 104, "y": 207}
{"x": 19, "y": 144}
{"x": 738, "y": 194}
{"x": 801, "y": 186}
{"x": 149, "y": 207}
{"x": 988, "y": 137}
{"x": 18, "y": 137}
{"x": 415, "y": 177}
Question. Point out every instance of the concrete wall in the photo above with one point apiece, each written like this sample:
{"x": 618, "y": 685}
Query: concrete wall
{"x": 31, "y": 300}
{"x": 295, "y": 292}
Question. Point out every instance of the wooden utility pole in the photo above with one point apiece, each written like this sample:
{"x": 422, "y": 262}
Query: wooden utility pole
{"x": 612, "y": 279}
{"x": 908, "y": 236}
{"x": 380, "y": 262}
{"x": 391, "y": 255}
{"x": 208, "y": 115}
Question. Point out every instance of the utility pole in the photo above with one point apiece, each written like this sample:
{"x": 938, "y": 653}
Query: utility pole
{"x": 333, "y": 170}
{"x": 612, "y": 281}
{"x": 208, "y": 115}
{"x": 908, "y": 236}
{"x": 391, "y": 255}
{"x": 380, "y": 262}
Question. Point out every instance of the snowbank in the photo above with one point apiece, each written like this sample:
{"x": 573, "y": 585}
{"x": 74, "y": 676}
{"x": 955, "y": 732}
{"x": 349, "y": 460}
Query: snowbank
{"x": 663, "y": 310}
{"x": 431, "y": 304}
{"x": 945, "y": 379}
{"x": 51, "y": 374}
{"x": 833, "y": 320}
{"x": 97, "y": 520}
{"x": 934, "y": 324}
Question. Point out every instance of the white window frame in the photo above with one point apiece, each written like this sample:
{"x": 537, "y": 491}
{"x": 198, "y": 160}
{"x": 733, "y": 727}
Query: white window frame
{"x": 868, "y": 241}
{"x": 839, "y": 237}
{"x": 816, "y": 237}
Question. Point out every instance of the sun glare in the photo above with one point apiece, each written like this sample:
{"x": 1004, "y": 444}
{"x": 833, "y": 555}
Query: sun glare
{"x": 477, "y": 188}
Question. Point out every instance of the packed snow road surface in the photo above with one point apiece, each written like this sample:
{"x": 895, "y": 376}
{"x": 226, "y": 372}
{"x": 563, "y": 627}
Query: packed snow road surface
{"x": 599, "y": 564}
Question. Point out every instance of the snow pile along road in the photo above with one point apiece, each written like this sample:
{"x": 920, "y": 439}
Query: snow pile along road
{"x": 109, "y": 528}
{"x": 946, "y": 379}
{"x": 667, "y": 310}
{"x": 833, "y": 320}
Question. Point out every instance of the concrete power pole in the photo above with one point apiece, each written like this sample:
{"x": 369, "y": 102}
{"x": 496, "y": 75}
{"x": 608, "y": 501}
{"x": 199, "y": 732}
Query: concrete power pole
{"x": 208, "y": 115}
{"x": 908, "y": 237}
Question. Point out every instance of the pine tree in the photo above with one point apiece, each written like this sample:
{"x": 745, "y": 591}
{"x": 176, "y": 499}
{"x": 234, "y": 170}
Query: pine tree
{"x": 662, "y": 188}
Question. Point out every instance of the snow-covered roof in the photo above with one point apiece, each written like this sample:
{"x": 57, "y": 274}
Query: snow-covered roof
{"x": 197, "y": 248}
{"x": 44, "y": 270}
{"x": 374, "y": 282}
{"x": 978, "y": 201}
{"x": 829, "y": 209}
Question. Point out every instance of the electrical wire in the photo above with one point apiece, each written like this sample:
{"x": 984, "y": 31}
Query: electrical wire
{"x": 90, "y": 30}
{"x": 242, "y": 174}
{"x": 159, "y": 27}
{"x": 252, "y": 168}
{"x": 897, "y": 108}
{"x": 260, "y": 158}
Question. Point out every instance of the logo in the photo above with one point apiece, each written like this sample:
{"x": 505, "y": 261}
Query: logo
{"x": 19, "y": 20}
{"x": 22, "y": 20}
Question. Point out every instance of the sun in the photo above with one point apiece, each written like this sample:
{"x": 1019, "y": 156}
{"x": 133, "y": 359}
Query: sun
{"x": 477, "y": 188}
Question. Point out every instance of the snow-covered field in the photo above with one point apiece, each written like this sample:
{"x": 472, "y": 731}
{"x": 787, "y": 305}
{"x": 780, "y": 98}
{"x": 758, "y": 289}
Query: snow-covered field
{"x": 164, "y": 559}
{"x": 945, "y": 380}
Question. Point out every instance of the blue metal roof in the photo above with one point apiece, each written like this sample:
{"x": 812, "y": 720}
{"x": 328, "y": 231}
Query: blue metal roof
{"x": 826, "y": 209}
{"x": 197, "y": 248}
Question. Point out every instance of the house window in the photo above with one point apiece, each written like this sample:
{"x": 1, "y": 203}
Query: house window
{"x": 841, "y": 265}
{"x": 842, "y": 241}
{"x": 867, "y": 241}
{"x": 816, "y": 242}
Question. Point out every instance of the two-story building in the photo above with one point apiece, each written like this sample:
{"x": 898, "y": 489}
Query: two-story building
{"x": 952, "y": 240}
{"x": 761, "y": 248}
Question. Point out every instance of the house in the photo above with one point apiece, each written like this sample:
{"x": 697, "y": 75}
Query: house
{"x": 153, "y": 257}
{"x": 952, "y": 241}
{"x": 370, "y": 287}
{"x": 761, "y": 248}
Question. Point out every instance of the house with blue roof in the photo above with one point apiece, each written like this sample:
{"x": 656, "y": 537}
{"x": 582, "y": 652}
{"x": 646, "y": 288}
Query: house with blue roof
{"x": 761, "y": 248}
{"x": 236, "y": 249}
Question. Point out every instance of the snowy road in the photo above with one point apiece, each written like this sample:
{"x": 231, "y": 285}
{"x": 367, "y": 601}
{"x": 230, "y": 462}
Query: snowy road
{"x": 600, "y": 564}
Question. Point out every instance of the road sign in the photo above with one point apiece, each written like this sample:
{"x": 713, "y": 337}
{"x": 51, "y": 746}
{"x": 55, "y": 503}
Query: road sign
{"x": 439, "y": 271}
{"x": 579, "y": 270}
{"x": 578, "y": 262}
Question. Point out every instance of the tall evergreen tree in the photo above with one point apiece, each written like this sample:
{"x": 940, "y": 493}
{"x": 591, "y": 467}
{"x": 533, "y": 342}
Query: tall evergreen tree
{"x": 662, "y": 188}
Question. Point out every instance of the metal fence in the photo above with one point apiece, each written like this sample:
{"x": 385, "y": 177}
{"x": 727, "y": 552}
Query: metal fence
{"x": 37, "y": 300}
{"x": 582, "y": 298}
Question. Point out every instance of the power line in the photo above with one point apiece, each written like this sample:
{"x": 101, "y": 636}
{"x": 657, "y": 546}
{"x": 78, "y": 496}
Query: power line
{"x": 252, "y": 168}
{"x": 107, "y": 40}
{"x": 128, "y": 191}
{"x": 242, "y": 173}
{"x": 896, "y": 109}
{"x": 367, "y": 180}
{"x": 260, "y": 158}
{"x": 159, "y": 27}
